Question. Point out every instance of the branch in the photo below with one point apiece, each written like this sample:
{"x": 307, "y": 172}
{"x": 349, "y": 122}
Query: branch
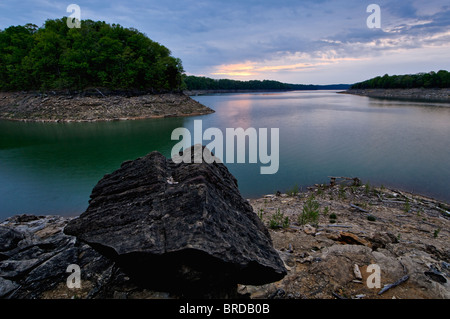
{"x": 395, "y": 284}
{"x": 359, "y": 208}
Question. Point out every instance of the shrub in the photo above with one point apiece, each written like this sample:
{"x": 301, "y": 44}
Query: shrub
{"x": 293, "y": 191}
{"x": 436, "y": 232}
{"x": 407, "y": 206}
{"x": 341, "y": 193}
{"x": 261, "y": 213}
{"x": 278, "y": 220}
{"x": 310, "y": 212}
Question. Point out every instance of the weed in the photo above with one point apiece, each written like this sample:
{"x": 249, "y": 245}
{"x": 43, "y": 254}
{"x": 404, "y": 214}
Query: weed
{"x": 319, "y": 191}
{"x": 261, "y": 213}
{"x": 310, "y": 212}
{"x": 278, "y": 220}
{"x": 367, "y": 188}
{"x": 407, "y": 206}
{"x": 293, "y": 191}
{"x": 436, "y": 232}
{"x": 341, "y": 193}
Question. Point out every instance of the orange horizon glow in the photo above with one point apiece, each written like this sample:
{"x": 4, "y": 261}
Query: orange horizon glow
{"x": 250, "y": 68}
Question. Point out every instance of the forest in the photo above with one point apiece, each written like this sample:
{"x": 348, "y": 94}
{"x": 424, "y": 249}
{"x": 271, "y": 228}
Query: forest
{"x": 56, "y": 57}
{"x": 440, "y": 79}
{"x": 205, "y": 83}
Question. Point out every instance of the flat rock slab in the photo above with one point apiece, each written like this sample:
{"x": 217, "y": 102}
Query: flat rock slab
{"x": 187, "y": 222}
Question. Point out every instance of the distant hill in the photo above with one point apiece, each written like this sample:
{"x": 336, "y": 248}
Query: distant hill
{"x": 205, "y": 83}
{"x": 441, "y": 79}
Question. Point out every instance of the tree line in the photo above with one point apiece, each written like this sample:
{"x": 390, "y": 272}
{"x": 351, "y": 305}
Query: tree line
{"x": 96, "y": 55}
{"x": 440, "y": 79}
{"x": 205, "y": 83}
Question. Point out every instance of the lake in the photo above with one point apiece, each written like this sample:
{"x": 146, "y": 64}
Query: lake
{"x": 51, "y": 168}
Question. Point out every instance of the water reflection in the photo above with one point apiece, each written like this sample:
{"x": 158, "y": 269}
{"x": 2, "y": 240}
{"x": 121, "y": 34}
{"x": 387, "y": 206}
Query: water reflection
{"x": 393, "y": 143}
{"x": 52, "y": 167}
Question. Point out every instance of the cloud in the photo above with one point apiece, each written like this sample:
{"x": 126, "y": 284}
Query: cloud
{"x": 279, "y": 39}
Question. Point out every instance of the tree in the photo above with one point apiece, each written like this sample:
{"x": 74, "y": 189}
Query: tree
{"x": 97, "y": 54}
{"x": 441, "y": 79}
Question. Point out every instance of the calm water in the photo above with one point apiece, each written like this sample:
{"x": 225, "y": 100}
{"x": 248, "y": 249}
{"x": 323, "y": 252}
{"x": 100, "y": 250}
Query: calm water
{"x": 51, "y": 168}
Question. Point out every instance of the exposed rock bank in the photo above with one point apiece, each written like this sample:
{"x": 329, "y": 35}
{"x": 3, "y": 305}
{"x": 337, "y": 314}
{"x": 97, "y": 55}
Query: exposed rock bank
{"x": 406, "y": 235}
{"x": 431, "y": 95}
{"x": 320, "y": 259}
{"x": 357, "y": 226}
{"x": 23, "y": 106}
{"x": 179, "y": 228}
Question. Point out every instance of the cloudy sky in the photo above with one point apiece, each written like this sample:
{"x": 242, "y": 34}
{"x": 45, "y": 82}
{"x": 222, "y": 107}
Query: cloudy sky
{"x": 295, "y": 41}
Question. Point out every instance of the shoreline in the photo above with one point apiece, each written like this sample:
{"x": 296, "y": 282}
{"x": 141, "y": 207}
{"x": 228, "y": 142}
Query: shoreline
{"x": 425, "y": 197}
{"x": 424, "y": 95}
{"x": 406, "y": 236}
{"x": 33, "y": 107}
{"x": 206, "y": 92}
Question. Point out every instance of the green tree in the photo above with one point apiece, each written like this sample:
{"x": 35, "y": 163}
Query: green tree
{"x": 441, "y": 79}
{"x": 97, "y": 54}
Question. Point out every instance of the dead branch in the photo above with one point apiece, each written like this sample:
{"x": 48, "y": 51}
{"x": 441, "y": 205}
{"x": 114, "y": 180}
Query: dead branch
{"x": 395, "y": 284}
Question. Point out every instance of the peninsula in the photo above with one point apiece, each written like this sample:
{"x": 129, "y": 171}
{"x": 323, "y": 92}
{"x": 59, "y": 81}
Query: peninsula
{"x": 97, "y": 72}
{"x": 432, "y": 86}
{"x": 82, "y": 107}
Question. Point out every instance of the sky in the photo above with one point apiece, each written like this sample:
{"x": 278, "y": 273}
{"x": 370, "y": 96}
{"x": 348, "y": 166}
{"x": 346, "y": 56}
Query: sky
{"x": 292, "y": 41}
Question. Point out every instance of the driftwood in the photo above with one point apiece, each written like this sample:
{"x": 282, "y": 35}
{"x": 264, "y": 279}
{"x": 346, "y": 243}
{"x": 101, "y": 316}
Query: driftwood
{"x": 395, "y": 284}
{"x": 338, "y": 296}
{"x": 100, "y": 92}
{"x": 337, "y": 225}
{"x": 359, "y": 208}
{"x": 447, "y": 213}
{"x": 356, "y": 180}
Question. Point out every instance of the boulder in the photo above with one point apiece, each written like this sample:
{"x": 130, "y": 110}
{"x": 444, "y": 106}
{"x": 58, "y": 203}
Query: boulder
{"x": 178, "y": 226}
{"x": 10, "y": 238}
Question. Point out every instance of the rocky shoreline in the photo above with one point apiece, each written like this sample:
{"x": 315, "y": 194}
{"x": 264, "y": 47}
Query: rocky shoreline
{"x": 407, "y": 236}
{"x": 429, "y": 95}
{"x": 96, "y": 106}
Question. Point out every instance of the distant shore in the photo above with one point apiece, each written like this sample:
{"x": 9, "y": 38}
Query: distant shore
{"x": 204, "y": 92}
{"x": 429, "y": 95}
{"x": 82, "y": 107}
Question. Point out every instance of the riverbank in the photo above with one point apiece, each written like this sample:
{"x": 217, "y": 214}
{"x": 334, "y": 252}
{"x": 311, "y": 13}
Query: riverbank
{"x": 23, "y": 106}
{"x": 405, "y": 234}
{"x": 429, "y": 95}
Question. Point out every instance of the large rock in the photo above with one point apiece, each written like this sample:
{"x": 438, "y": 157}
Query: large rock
{"x": 10, "y": 238}
{"x": 178, "y": 225}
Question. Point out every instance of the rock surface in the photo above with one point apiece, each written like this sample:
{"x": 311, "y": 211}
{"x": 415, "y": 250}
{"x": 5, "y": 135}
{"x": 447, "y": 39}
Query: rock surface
{"x": 22, "y": 106}
{"x": 407, "y": 236}
{"x": 412, "y": 245}
{"x": 36, "y": 266}
{"x": 182, "y": 226}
